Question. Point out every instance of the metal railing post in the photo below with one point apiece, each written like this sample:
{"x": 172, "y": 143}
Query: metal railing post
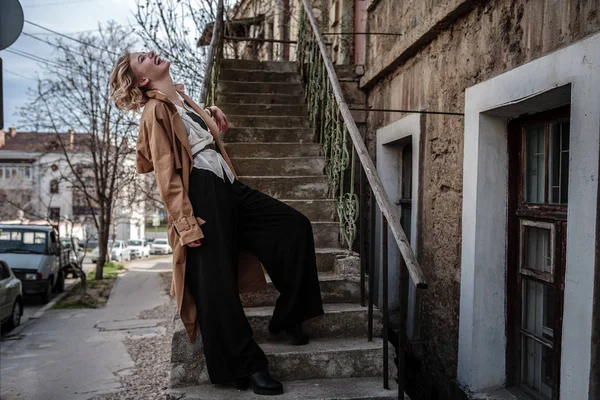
{"x": 402, "y": 327}
{"x": 384, "y": 300}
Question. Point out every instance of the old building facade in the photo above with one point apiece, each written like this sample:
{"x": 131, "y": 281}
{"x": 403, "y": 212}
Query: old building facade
{"x": 35, "y": 183}
{"x": 484, "y": 122}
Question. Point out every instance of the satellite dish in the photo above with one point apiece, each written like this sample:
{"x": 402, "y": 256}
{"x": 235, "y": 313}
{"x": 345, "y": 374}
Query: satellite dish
{"x": 11, "y": 22}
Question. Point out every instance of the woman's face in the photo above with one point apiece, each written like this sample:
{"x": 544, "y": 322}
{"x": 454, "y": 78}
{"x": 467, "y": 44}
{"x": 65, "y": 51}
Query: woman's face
{"x": 148, "y": 67}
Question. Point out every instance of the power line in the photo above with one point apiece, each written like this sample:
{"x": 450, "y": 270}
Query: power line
{"x": 41, "y": 40}
{"x": 55, "y": 4}
{"x": 67, "y": 33}
{"x": 33, "y": 57}
{"x": 17, "y": 74}
{"x": 70, "y": 50}
{"x": 72, "y": 38}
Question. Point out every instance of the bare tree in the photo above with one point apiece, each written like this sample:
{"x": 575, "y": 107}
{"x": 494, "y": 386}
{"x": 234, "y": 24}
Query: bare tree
{"x": 172, "y": 28}
{"x": 97, "y": 157}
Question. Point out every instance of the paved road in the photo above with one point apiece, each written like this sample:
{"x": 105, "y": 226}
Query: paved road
{"x": 78, "y": 354}
{"x": 33, "y": 304}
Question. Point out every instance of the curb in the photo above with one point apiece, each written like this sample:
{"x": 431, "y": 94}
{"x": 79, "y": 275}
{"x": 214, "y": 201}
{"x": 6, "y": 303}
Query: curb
{"x": 42, "y": 310}
{"x": 55, "y": 300}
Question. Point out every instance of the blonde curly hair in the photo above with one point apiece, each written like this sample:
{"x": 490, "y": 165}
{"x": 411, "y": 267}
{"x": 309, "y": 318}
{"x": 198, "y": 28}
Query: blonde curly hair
{"x": 123, "y": 86}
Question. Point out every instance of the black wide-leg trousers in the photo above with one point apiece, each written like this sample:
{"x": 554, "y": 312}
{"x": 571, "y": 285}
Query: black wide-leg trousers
{"x": 239, "y": 217}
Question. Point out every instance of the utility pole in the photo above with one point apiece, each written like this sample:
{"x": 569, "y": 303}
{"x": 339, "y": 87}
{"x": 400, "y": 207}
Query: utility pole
{"x": 11, "y": 25}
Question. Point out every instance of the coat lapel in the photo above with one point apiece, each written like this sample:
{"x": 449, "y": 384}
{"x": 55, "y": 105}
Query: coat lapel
{"x": 176, "y": 120}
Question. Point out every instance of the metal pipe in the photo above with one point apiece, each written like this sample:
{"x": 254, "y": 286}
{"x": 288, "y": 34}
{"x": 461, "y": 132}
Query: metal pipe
{"x": 361, "y": 33}
{"x": 361, "y": 229}
{"x": 402, "y": 328}
{"x": 407, "y": 111}
{"x": 248, "y": 39}
{"x": 386, "y": 316}
{"x": 372, "y": 225}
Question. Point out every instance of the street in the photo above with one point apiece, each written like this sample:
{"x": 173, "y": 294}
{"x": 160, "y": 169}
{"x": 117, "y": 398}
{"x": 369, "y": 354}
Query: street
{"x": 32, "y": 304}
{"x": 80, "y": 353}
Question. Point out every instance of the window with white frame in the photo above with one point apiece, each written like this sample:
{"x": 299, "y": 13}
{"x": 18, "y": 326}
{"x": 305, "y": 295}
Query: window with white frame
{"x": 16, "y": 172}
{"x": 538, "y": 183}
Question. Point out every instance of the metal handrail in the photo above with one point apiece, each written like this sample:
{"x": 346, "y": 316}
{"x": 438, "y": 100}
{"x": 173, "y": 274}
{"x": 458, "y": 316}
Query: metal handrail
{"x": 386, "y": 206}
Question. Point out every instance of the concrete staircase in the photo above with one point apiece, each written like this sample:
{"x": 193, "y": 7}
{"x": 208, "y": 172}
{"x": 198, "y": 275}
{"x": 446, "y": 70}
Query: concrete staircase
{"x": 271, "y": 146}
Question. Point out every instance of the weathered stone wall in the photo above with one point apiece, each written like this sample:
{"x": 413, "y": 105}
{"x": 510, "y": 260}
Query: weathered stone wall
{"x": 445, "y": 47}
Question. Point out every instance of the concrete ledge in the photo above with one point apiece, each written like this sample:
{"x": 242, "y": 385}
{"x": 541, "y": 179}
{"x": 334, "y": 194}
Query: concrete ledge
{"x": 279, "y": 66}
{"x": 289, "y": 187}
{"x": 334, "y": 289}
{"x": 321, "y": 359}
{"x": 342, "y": 389}
{"x": 259, "y": 98}
{"x": 341, "y": 320}
{"x": 268, "y": 121}
{"x": 269, "y": 135}
{"x": 290, "y": 166}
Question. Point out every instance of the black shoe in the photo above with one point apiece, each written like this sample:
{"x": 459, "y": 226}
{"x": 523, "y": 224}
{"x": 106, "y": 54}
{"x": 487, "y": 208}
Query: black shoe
{"x": 295, "y": 332}
{"x": 262, "y": 383}
{"x": 299, "y": 338}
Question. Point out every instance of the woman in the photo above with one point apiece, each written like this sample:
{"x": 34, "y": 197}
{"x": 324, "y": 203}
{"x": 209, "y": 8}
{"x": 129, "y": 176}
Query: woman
{"x": 179, "y": 142}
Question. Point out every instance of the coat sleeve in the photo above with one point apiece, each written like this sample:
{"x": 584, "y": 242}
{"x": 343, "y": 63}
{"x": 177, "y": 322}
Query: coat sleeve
{"x": 170, "y": 185}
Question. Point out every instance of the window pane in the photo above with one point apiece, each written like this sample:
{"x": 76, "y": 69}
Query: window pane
{"x": 537, "y": 312}
{"x": 536, "y": 366}
{"x": 535, "y": 149}
{"x": 536, "y": 247}
{"x": 406, "y": 220}
{"x": 407, "y": 172}
{"x": 559, "y": 162}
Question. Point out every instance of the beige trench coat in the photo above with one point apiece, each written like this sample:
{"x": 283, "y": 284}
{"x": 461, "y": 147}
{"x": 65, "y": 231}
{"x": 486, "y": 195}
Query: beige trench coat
{"x": 163, "y": 147}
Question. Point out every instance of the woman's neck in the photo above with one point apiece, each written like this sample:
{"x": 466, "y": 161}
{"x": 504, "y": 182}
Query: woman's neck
{"x": 167, "y": 87}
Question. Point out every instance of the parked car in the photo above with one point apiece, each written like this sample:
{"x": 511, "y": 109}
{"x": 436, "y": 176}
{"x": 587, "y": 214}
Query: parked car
{"x": 76, "y": 253}
{"x": 139, "y": 248}
{"x": 149, "y": 240}
{"x": 117, "y": 252}
{"x": 11, "y": 297}
{"x": 160, "y": 246}
{"x": 36, "y": 257}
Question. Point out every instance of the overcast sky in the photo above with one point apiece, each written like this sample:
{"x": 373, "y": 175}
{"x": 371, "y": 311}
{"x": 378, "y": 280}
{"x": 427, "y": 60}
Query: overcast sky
{"x": 65, "y": 16}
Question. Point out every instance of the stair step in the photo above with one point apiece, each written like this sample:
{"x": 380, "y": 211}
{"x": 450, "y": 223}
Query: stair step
{"x": 295, "y": 89}
{"x": 251, "y": 134}
{"x": 259, "y": 98}
{"x": 274, "y": 66}
{"x": 264, "y": 109}
{"x": 326, "y": 258}
{"x": 268, "y": 121}
{"x": 289, "y": 187}
{"x": 315, "y": 210}
{"x": 321, "y": 359}
{"x": 334, "y": 289}
{"x": 339, "y": 321}
{"x": 326, "y": 233}
{"x": 256, "y": 75}
{"x": 282, "y": 166}
{"x": 242, "y": 150}
{"x": 315, "y": 389}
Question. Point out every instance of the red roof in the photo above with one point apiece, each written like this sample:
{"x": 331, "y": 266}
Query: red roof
{"x": 44, "y": 141}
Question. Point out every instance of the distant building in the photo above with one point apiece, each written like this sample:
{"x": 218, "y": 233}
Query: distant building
{"x": 34, "y": 177}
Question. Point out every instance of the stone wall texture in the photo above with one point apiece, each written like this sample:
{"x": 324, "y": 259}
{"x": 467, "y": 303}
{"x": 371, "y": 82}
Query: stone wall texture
{"x": 446, "y": 47}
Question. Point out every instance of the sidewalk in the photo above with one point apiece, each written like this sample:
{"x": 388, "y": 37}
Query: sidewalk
{"x": 79, "y": 354}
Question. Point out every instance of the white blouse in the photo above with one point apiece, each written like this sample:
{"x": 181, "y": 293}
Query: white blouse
{"x": 199, "y": 136}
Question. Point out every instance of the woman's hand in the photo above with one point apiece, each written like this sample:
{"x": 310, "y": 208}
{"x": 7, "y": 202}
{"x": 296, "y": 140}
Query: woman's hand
{"x": 195, "y": 243}
{"x": 220, "y": 118}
